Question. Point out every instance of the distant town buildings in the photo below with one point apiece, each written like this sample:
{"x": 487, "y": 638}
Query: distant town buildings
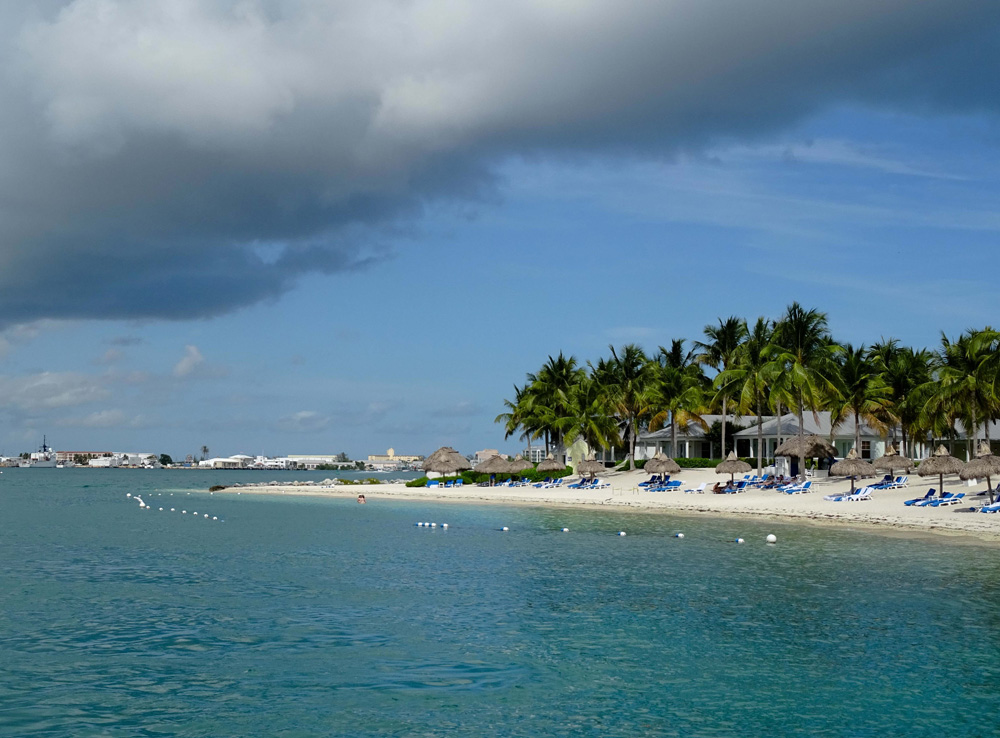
{"x": 390, "y": 457}
{"x": 486, "y": 453}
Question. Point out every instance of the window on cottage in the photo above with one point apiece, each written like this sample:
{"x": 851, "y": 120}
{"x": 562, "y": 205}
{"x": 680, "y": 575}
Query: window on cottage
{"x": 866, "y": 449}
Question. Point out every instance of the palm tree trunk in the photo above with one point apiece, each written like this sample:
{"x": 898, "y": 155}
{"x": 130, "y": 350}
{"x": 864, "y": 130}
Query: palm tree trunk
{"x": 723, "y": 427}
{"x": 673, "y": 436}
{"x": 857, "y": 433}
{"x": 632, "y": 432}
{"x": 760, "y": 438}
{"x": 802, "y": 441}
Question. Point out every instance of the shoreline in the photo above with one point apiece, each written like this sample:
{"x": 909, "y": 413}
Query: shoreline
{"x": 884, "y": 513}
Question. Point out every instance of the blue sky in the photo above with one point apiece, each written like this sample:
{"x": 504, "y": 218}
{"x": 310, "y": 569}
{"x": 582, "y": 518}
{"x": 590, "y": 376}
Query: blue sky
{"x": 374, "y": 260}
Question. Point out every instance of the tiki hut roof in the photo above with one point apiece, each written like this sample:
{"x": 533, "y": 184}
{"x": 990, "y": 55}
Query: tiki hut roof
{"x": 496, "y": 464}
{"x": 446, "y": 460}
{"x": 550, "y": 465}
{"x": 519, "y": 464}
{"x": 892, "y": 461}
{"x": 984, "y": 465}
{"x": 813, "y": 447}
{"x": 940, "y": 463}
{"x": 852, "y": 466}
{"x": 732, "y": 465}
{"x": 590, "y": 466}
{"x": 661, "y": 464}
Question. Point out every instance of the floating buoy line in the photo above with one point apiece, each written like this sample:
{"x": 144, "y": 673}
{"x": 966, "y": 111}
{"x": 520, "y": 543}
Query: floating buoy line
{"x": 143, "y": 505}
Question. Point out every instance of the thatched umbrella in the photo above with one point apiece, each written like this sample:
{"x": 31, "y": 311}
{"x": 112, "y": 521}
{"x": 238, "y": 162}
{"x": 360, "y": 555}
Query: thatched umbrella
{"x": 446, "y": 460}
{"x": 940, "y": 463}
{"x": 984, "y": 465}
{"x": 731, "y": 466}
{"x": 550, "y": 464}
{"x": 496, "y": 464}
{"x": 892, "y": 461}
{"x": 852, "y": 467}
{"x": 662, "y": 464}
{"x": 519, "y": 464}
{"x": 807, "y": 447}
{"x": 590, "y": 466}
{"x": 811, "y": 447}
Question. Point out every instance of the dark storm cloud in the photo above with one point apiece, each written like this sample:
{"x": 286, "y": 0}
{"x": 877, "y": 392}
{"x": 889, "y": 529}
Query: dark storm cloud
{"x": 184, "y": 158}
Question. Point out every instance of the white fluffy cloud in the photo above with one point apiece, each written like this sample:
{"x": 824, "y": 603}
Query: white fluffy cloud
{"x": 304, "y": 421}
{"x": 50, "y": 390}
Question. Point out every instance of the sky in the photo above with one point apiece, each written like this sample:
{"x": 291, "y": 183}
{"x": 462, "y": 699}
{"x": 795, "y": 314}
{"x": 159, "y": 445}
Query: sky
{"x": 304, "y": 226}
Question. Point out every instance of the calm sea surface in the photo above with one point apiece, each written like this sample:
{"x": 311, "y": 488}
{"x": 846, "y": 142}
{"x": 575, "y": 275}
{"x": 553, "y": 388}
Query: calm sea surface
{"x": 291, "y": 617}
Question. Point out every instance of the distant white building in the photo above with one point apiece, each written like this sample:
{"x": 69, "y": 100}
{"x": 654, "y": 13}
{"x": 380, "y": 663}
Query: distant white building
{"x": 535, "y": 454}
{"x": 225, "y": 462}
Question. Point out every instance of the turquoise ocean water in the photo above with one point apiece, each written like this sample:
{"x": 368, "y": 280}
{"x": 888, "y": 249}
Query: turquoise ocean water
{"x": 299, "y": 617}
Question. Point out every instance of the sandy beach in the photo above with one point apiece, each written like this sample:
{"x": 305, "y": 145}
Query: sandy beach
{"x": 885, "y": 511}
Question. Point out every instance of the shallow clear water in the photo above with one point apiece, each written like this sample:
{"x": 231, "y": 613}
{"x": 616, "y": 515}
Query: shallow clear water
{"x": 292, "y": 617}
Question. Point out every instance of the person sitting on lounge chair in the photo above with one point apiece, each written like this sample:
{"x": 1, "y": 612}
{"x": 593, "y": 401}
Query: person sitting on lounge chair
{"x": 718, "y": 489}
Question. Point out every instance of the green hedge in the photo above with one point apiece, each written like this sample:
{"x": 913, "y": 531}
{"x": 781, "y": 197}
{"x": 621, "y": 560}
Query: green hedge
{"x": 699, "y": 463}
{"x": 473, "y": 478}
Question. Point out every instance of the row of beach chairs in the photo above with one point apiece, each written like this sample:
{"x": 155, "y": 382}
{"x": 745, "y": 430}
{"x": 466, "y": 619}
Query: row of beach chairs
{"x": 931, "y": 499}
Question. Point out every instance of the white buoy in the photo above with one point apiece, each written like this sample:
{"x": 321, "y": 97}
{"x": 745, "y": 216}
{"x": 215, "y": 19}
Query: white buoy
{"x": 420, "y": 525}
{"x": 173, "y": 509}
{"x": 444, "y": 525}
{"x": 194, "y": 512}
{"x": 434, "y": 525}
{"x": 771, "y": 538}
{"x": 214, "y": 517}
{"x": 128, "y": 494}
{"x": 206, "y": 515}
{"x": 740, "y": 540}
{"x": 565, "y": 530}
{"x": 161, "y": 509}
{"x": 505, "y": 529}
{"x": 678, "y": 535}
{"x": 184, "y": 512}
{"x": 621, "y": 532}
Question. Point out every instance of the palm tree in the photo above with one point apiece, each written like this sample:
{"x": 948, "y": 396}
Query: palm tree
{"x": 747, "y": 379}
{"x": 626, "y": 380}
{"x": 520, "y": 416}
{"x": 724, "y": 341}
{"x": 906, "y": 371}
{"x": 802, "y": 364}
{"x": 204, "y": 452}
{"x": 865, "y": 395}
{"x": 678, "y": 392}
{"x": 591, "y": 418}
{"x": 551, "y": 388}
{"x": 964, "y": 384}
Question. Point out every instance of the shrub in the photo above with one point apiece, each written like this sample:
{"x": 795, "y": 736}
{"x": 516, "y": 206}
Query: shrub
{"x": 216, "y": 487}
{"x": 472, "y": 478}
{"x": 701, "y": 463}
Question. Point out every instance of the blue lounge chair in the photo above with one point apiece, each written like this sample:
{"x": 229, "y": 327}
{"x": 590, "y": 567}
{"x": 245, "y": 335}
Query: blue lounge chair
{"x": 798, "y": 489}
{"x": 995, "y": 507}
{"x": 948, "y": 499}
{"x": 432, "y": 483}
{"x": 898, "y": 483}
{"x": 926, "y": 498}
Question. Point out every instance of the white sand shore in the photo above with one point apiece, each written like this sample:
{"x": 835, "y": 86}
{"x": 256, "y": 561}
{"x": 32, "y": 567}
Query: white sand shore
{"x": 884, "y": 511}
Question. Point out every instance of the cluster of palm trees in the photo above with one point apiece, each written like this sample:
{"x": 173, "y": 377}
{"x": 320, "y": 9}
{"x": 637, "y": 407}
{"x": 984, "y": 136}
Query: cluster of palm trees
{"x": 792, "y": 364}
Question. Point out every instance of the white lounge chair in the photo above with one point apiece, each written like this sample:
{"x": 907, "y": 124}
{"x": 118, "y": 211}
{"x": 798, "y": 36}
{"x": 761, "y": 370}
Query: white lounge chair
{"x": 699, "y": 490}
{"x": 865, "y": 493}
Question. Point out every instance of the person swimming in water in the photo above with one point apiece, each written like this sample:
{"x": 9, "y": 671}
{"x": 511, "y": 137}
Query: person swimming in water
{"x": 361, "y": 500}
